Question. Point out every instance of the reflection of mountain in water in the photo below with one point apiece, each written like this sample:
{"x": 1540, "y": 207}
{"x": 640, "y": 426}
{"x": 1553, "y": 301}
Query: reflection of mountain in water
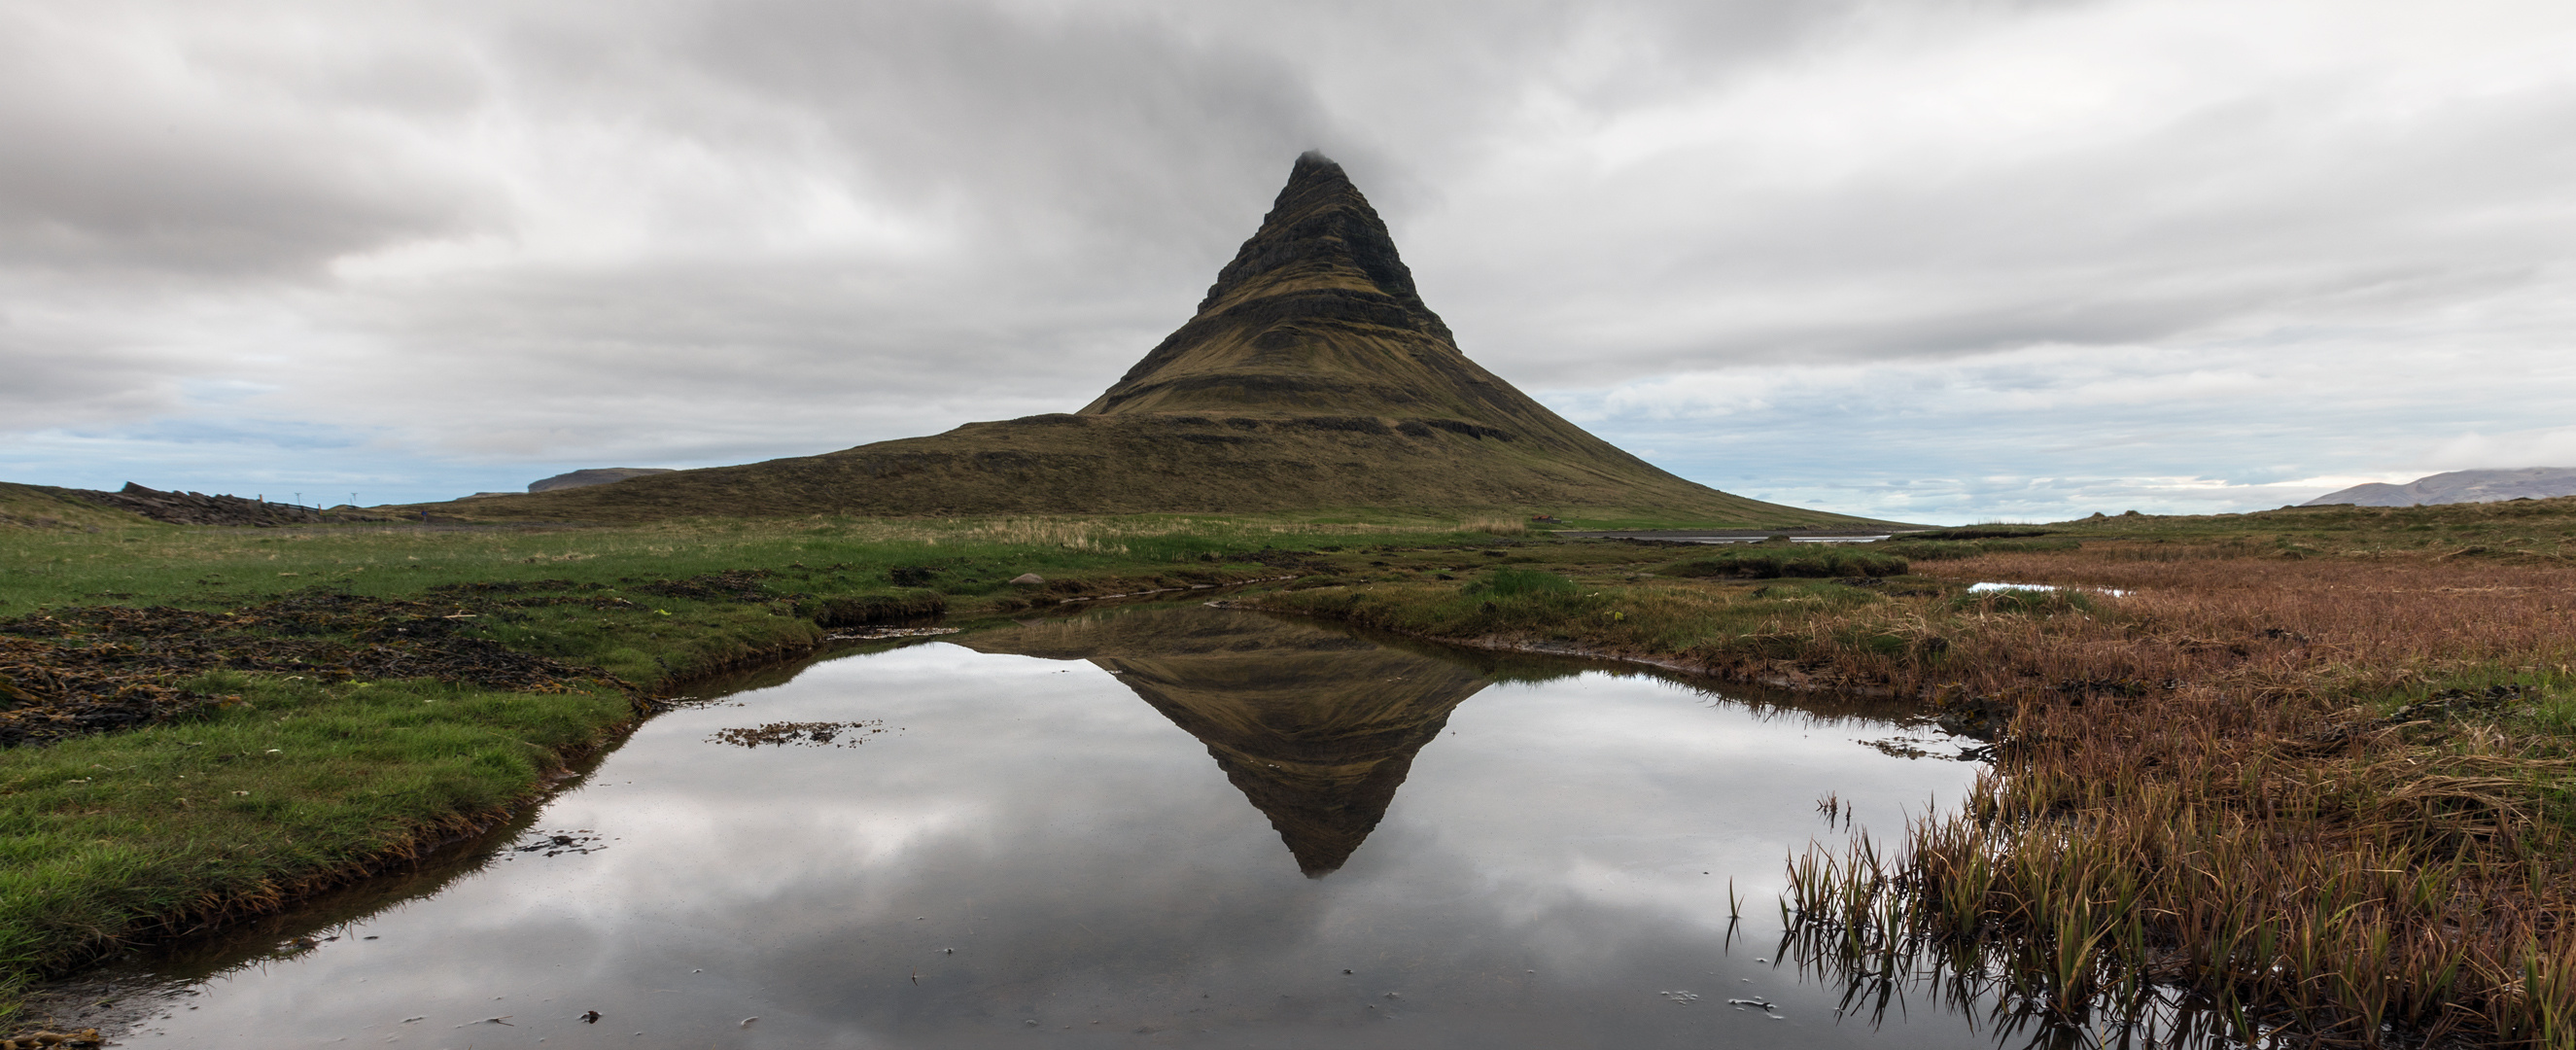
{"x": 1317, "y": 728}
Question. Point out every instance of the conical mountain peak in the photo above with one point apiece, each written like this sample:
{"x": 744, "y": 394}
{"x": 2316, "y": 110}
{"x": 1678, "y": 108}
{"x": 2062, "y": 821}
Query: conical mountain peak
{"x": 1317, "y": 315}
{"x": 1321, "y": 233}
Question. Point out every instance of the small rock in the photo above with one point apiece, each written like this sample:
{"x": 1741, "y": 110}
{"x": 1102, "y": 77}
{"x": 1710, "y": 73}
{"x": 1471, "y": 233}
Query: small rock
{"x": 1027, "y": 579}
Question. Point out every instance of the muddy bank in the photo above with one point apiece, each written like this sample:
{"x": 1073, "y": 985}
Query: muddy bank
{"x": 74, "y": 671}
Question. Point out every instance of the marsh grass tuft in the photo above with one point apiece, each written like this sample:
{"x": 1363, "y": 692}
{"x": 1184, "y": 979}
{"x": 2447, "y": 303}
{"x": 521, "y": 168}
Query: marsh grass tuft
{"x": 1518, "y": 583}
{"x": 2023, "y": 602}
{"x": 1767, "y": 562}
{"x": 1916, "y": 549}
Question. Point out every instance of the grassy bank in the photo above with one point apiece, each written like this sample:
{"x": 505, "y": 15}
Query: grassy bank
{"x": 289, "y": 786}
{"x": 2303, "y": 783}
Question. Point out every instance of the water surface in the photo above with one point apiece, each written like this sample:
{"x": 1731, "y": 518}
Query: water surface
{"x": 1185, "y": 827}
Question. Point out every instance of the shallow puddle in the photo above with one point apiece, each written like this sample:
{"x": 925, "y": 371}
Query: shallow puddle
{"x": 1185, "y": 827}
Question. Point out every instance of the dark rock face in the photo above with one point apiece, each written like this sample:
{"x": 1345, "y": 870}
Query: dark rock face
{"x": 1321, "y": 224}
{"x": 2460, "y": 486}
{"x": 593, "y": 476}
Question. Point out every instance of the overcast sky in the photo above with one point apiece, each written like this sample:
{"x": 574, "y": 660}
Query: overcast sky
{"x": 1926, "y": 260}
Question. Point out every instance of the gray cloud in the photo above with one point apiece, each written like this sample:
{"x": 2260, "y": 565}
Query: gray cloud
{"x": 481, "y": 240}
{"x": 172, "y": 139}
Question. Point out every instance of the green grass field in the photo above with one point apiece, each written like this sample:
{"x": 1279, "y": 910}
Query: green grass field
{"x": 296, "y": 774}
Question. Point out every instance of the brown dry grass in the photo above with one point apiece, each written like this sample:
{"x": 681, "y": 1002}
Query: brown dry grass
{"x": 2203, "y": 788}
{"x": 2301, "y": 799}
{"x": 2273, "y": 626}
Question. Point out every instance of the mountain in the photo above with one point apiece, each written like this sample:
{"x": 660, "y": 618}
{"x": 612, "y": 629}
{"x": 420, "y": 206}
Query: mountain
{"x": 1317, "y": 729}
{"x": 2459, "y": 486}
{"x": 1312, "y": 377}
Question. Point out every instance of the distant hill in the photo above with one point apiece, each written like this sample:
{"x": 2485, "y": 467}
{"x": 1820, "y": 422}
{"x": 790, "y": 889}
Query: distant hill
{"x": 593, "y": 476}
{"x": 2459, "y": 486}
{"x": 1312, "y": 377}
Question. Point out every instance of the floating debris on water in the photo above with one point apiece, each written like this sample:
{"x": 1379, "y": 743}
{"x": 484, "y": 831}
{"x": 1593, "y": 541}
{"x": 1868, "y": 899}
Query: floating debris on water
{"x": 801, "y": 734}
{"x": 555, "y": 843}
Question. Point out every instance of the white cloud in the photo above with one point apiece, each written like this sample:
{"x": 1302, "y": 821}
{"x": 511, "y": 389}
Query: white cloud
{"x": 2554, "y": 447}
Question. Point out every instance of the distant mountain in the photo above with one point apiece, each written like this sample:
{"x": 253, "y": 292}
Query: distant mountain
{"x": 592, "y": 476}
{"x": 1312, "y": 377}
{"x": 2459, "y": 486}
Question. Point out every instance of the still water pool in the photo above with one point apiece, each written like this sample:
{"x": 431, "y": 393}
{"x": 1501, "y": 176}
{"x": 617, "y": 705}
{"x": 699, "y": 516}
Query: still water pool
{"x": 1180, "y": 827}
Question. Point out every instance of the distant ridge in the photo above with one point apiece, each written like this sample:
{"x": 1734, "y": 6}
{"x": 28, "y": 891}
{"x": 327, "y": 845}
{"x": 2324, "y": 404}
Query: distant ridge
{"x": 593, "y": 476}
{"x": 1312, "y": 377}
{"x": 2459, "y": 486}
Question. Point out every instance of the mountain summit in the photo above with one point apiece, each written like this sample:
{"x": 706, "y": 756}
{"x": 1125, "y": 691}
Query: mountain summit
{"x": 1317, "y": 312}
{"x": 1311, "y": 377}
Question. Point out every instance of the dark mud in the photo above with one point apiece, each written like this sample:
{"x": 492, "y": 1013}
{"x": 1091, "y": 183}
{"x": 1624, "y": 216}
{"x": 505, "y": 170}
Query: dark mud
{"x": 91, "y": 669}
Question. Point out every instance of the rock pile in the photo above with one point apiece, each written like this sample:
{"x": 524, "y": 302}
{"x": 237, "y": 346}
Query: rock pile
{"x": 197, "y": 508}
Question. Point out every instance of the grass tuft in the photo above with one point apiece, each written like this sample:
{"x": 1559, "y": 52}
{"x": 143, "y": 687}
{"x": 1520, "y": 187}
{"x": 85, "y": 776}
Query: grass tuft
{"x": 1520, "y": 583}
{"x": 1763, "y": 563}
